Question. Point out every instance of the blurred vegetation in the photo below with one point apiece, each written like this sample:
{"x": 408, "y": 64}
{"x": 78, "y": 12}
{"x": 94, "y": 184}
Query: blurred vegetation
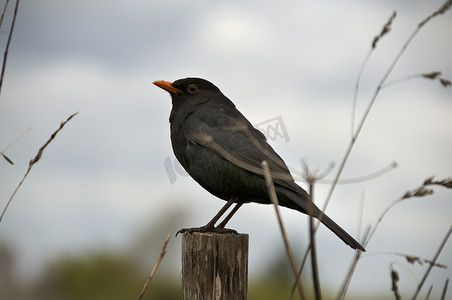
{"x": 97, "y": 276}
{"x": 112, "y": 274}
{"x": 91, "y": 276}
{"x": 104, "y": 275}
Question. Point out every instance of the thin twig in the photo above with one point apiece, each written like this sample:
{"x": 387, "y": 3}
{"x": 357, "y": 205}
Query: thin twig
{"x": 355, "y": 94}
{"x": 411, "y": 259}
{"x": 17, "y": 139}
{"x": 3, "y": 13}
{"x": 384, "y": 31}
{"x": 35, "y": 160}
{"x": 314, "y": 266}
{"x": 429, "y": 292}
{"x": 363, "y": 178}
{"x": 348, "y": 277}
{"x": 431, "y": 75}
{"x": 157, "y": 263}
{"x": 300, "y": 270}
{"x": 5, "y": 55}
{"x": 443, "y": 296}
{"x": 274, "y": 199}
{"x": 361, "y": 214}
{"x": 430, "y": 267}
{"x": 4, "y": 150}
{"x": 374, "y": 228}
{"x": 311, "y": 178}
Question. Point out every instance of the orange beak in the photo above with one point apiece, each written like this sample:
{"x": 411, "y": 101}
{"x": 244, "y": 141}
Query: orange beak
{"x": 167, "y": 86}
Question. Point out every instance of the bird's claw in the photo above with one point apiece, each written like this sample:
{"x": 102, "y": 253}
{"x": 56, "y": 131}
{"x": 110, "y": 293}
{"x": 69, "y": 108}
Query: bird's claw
{"x": 207, "y": 228}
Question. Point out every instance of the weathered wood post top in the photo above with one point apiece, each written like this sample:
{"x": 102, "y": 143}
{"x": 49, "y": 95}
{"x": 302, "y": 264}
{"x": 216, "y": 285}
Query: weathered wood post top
{"x": 214, "y": 266}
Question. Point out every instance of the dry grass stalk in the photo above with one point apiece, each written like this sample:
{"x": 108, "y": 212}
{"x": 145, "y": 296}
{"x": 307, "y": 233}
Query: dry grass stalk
{"x": 274, "y": 199}
{"x": 412, "y": 259}
{"x": 419, "y": 192}
{"x": 348, "y": 277}
{"x": 419, "y": 287}
{"x": 443, "y": 296}
{"x": 12, "y": 143}
{"x": 424, "y": 191}
{"x": 384, "y": 31}
{"x": 429, "y": 292}
{"x": 34, "y": 161}
{"x": 355, "y": 133}
{"x": 362, "y": 178}
{"x": 430, "y": 75}
{"x": 416, "y": 259}
{"x": 3, "y": 12}
{"x": 10, "y": 35}
{"x": 154, "y": 270}
{"x": 311, "y": 178}
{"x": 445, "y": 7}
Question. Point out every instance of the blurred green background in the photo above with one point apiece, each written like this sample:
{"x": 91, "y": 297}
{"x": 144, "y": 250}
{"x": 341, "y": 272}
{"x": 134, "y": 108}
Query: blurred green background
{"x": 108, "y": 276}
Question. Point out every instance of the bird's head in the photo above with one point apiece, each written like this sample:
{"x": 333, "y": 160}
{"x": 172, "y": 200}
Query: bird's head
{"x": 192, "y": 91}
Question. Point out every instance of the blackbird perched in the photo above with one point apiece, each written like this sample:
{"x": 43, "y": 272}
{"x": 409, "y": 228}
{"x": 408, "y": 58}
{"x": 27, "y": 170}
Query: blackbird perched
{"x": 223, "y": 152}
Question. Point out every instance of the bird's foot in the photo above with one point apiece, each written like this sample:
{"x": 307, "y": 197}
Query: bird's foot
{"x": 207, "y": 228}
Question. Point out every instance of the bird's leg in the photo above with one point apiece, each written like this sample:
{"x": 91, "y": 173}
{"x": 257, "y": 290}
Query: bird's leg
{"x": 210, "y": 227}
{"x": 221, "y": 212}
{"x": 229, "y": 216}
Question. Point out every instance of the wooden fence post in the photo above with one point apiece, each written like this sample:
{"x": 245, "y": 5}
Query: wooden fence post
{"x": 214, "y": 266}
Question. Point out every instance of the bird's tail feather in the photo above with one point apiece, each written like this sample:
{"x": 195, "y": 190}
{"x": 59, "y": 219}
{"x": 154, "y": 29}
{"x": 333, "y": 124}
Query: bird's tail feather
{"x": 299, "y": 202}
{"x": 341, "y": 233}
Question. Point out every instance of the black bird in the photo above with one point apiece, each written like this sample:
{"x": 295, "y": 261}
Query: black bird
{"x": 223, "y": 152}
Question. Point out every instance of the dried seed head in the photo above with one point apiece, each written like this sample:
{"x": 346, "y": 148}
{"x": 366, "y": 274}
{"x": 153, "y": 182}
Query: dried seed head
{"x": 394, "y": 275}
{"x": 394, "y": 279}
{"x": 419, "y": 192}
{"x": 429, "y": 180}
{"x": 431, "y": 75}
{"x": 446, "y": 183}
{"x": 422, "y": 191}
{"x": 445, "y": 82}
{"x": 407, "y": 195}
{"x": 435, "y": 264}
{"x": 385, "y": 30}
{"x": 413, "y": 259}
{"x": 7, "y": 158}
{"x": 441, "y": 10}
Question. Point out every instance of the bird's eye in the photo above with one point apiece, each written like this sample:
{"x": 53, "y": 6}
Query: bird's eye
{"x": 192, "y": 88}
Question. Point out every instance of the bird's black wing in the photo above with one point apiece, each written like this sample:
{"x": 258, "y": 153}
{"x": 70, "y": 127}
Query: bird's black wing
{"x": 228, "y": 134}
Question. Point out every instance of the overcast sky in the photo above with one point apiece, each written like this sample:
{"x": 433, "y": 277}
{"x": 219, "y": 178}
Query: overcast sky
{"x": 110, "y": 172}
